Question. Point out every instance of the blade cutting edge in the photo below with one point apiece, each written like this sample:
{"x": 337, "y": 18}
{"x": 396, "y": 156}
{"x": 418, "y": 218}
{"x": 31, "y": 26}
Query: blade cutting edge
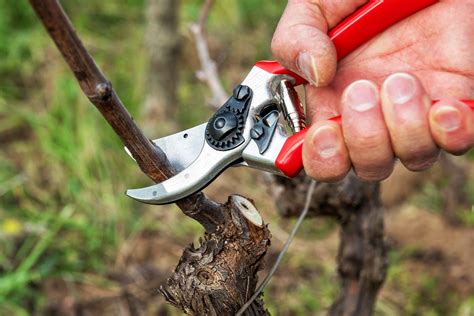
{"x": 192, "y": 179}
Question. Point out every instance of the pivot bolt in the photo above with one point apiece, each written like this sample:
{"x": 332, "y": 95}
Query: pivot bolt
{"x": 223, "y": 125}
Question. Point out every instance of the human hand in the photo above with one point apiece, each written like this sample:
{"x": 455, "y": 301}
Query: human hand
{"x": 389, "y": 113}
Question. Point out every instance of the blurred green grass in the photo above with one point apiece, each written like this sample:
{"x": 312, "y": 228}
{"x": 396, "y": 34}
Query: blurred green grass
{"x": 63, "y": 170}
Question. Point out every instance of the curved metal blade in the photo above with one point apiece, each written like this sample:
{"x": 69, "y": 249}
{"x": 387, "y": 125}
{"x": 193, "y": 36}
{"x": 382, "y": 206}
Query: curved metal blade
{"x": 182, "y": 148}
{"x": 192, "y": 179}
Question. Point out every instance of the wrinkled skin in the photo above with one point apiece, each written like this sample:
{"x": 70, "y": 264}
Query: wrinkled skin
{"x": 383, "y": 89}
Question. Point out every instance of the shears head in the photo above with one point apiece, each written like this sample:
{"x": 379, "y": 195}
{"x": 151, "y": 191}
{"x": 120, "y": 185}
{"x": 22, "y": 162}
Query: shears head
{"x": 245, "y": 131}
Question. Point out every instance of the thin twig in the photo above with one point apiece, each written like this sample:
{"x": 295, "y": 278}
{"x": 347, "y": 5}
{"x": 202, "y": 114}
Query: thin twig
{"x": 208, "y": 72}
{"x": 204, "y": 13}
{"x": 151, "y": 159}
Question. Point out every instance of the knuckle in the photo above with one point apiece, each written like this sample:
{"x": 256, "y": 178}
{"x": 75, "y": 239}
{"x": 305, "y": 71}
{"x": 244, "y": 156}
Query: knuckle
{"x": 416, "y": 148}
{"x": 372, "y": 156}
{"x": 332, "y": 170}
{"x": 331, "y": 178}
{"x": 458, "y": 152}
{"x": 375, "y": 171}
{"x": 374, "y": 175}
{"x": 367, "y": 141}
{"x": 420, "y": 161}
{"x": 458, "y": 149}
{"x": 456, "y": 144}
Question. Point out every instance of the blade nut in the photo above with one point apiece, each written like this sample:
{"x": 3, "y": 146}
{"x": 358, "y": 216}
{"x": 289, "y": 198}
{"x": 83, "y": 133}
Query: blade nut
{"x": 256, "y": 132}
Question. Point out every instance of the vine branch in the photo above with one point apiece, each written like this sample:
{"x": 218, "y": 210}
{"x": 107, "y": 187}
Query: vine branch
{"x": 150, "y": 158}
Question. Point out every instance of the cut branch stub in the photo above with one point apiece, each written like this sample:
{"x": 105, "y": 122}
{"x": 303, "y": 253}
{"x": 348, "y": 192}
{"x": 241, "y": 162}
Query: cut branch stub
{"x": 220, "y": 275}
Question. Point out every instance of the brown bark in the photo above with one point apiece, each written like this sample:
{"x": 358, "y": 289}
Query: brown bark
{"x": 219, "y": 276}
{"x": 362, "y": 259}
{"x": 162, "y": 42}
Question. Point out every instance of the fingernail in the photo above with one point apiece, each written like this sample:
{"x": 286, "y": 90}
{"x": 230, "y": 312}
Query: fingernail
{"x": 306, "y": 64}
{"x": 448, "y": 118}
{"x": 325, "y": 142}
{"x": 361, "y": 96}
{"x": 400, "y": 88}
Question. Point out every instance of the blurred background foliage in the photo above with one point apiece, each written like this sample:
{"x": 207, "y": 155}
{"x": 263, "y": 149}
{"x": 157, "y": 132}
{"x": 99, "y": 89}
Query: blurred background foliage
{"x": 69, "y": 238}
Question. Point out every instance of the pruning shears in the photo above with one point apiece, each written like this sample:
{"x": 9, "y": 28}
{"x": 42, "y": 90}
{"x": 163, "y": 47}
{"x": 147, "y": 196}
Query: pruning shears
{"x": 247, "y": 129}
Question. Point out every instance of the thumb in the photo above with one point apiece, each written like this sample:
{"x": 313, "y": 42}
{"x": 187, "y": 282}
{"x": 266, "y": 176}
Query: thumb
{"x": 300, "y": 42}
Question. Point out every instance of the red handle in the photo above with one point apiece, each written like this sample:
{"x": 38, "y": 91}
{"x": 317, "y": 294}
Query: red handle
{"x": 371, "y": 19}
{"x": 357, "y": 29}
{"x": 290, "y": 158}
